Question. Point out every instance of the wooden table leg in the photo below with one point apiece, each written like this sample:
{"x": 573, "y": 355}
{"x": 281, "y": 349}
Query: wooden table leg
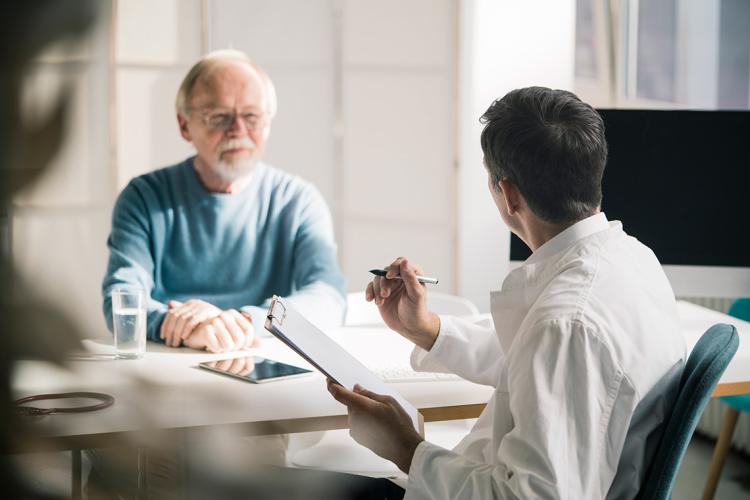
{"x": 76, "y": 482}
{"x": 720, "y": 452}
{"x": 141, "y": 491}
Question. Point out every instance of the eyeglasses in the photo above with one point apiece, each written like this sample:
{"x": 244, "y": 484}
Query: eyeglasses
{"x": 223, "y": 119}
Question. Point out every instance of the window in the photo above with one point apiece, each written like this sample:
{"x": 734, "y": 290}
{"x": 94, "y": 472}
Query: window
{"x": 664, "y": 54}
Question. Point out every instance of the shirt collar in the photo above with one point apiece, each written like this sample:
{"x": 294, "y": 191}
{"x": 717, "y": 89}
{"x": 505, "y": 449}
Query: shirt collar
{"x": 578, "y": 231}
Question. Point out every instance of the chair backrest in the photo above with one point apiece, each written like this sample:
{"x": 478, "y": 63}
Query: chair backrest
{"x": 359, "y": 312}
{"x": 444, "y": 303}
{"x": 708, "y": 360}
{"x": 740, "y": 309}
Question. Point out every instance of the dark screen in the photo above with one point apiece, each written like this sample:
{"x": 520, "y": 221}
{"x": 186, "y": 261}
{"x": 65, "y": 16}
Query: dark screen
{"x": 253, "y": 368}
{"x": 680, "y": 182}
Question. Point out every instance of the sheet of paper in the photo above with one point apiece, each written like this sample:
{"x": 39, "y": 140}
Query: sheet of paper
{"x": 325, "y": 354}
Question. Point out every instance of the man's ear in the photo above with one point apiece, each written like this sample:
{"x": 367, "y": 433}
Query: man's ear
{"x": 511, "y": 195}
{"x": 184, "y": 132}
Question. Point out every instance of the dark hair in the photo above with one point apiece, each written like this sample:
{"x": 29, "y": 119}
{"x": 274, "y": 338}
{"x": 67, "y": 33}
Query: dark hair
{"x": 551, "y": 145}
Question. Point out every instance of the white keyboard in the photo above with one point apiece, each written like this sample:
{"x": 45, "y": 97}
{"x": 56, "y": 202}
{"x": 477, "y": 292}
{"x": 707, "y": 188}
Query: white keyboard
{"x": 399, "y": 372}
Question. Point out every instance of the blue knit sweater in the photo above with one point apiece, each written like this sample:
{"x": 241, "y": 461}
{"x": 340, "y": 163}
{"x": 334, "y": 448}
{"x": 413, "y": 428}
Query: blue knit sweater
{"x": 178, "y": 241}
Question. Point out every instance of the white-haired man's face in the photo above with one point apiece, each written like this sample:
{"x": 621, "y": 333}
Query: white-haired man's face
{"x": 227, "y": 120}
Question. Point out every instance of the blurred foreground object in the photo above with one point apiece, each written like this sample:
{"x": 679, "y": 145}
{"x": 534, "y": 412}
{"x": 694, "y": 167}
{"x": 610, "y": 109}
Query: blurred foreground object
{"x": 31, "y": 328}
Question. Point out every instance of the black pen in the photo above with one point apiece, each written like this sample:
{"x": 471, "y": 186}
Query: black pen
{"x": 421, "y": 279}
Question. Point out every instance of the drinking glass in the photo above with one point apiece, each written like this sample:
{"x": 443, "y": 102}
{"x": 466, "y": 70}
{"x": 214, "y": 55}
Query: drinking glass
{"x": 129, "y": 319}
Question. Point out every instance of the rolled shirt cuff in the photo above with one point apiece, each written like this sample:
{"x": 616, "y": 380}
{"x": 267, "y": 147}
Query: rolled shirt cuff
{"x": 423, "y": 360}
{"x": 416, "y": 486}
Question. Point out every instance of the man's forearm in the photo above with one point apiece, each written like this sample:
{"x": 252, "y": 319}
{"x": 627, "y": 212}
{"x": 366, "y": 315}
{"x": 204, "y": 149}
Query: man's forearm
{"x": 425, "y": 337}
{"x": 406, "y": 454}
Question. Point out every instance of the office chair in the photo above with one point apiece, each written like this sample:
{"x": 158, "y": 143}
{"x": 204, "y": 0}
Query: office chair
{"x": 735, "y": 404}
{"x": 359, "y": 312}
{"x": 708, "y": 360}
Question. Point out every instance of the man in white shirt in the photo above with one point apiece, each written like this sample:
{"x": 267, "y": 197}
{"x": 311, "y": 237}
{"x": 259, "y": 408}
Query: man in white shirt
{"x": 585, "y": 353}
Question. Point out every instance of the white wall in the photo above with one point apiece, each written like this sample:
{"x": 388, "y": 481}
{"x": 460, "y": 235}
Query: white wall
{"x": 155, "y": 45}
{"x": 59, "y": 225}
{"x": 503, "y": 46}
{"x": 294, "y": 42}
{"x": 398, "y": 145}
{"x": 366, "y": 112}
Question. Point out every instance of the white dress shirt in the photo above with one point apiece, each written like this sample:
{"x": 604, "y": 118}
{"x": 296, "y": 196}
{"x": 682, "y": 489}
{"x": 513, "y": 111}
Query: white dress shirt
{"x": 585, "y": 356}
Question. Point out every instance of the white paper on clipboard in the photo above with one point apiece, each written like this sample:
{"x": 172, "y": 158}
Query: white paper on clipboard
{"x": 326, "y": 355}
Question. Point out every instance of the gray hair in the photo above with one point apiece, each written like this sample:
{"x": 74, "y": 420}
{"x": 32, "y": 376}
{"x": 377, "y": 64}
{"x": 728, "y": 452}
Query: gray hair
{"x": 211, "y": 60}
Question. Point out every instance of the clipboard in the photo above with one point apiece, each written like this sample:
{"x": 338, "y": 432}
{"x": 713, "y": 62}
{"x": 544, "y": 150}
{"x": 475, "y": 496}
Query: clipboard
{"x": 321, "y": 351}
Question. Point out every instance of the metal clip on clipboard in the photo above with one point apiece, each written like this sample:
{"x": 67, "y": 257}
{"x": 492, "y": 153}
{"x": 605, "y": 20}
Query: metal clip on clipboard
{"x": 272, "y": 311}
{"x": 327, "y": 356}
{"x": 276, "y": 316}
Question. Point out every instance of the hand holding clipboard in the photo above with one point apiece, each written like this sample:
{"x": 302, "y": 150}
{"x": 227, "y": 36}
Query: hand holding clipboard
{"x": 327, "y": 356}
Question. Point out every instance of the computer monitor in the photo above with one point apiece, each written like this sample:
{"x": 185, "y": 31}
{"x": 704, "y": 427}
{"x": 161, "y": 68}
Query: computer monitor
{"x": 680, "y": 182}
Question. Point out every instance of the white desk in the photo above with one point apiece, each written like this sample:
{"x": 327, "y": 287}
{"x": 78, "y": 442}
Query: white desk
{"x": 166, "y": 392}
{"x": 695, "y": 321}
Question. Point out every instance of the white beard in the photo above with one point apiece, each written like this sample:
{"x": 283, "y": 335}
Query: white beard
{"x": 232, "y": 171}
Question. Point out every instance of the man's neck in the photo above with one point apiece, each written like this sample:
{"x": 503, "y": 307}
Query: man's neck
{"x": 544, "y": 232}
{"x": 540, "y": 232}
{"x": 216, "y": 184}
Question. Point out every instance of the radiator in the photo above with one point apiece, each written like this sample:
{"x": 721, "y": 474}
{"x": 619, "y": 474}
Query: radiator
{"x": 713, "y": 415}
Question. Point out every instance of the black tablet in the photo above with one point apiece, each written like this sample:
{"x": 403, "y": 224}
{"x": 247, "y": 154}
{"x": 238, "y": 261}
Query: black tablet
{"x": 254, "y": 369}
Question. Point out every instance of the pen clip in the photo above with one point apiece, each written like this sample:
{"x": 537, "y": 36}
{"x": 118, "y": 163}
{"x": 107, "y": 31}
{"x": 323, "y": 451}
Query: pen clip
{"x": 272, "y": 311}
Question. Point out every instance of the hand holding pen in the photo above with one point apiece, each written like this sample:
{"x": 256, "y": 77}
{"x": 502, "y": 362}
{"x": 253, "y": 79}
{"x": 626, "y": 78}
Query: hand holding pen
{"x": 401, "y": 298}
{"x": 421, "y": 279}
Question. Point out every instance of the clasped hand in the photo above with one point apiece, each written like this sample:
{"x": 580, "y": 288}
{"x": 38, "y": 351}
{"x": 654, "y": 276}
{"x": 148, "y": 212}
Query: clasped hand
{"x": 201, "y": 325}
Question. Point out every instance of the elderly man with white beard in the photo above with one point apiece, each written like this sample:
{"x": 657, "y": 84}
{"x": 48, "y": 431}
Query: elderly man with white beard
{"x": 214, "y": 237}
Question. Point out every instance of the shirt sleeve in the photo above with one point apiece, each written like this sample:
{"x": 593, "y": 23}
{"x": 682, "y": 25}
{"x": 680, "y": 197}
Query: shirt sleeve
{"x": 467, "y": 349}
{"x": 562, "y": 387}
{"x": 319, "y": 287}
{"x": 130, "y": 260}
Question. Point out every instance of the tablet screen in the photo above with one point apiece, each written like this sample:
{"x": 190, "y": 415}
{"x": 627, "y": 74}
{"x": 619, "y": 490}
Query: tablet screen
{"x": 254, "y": 368}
